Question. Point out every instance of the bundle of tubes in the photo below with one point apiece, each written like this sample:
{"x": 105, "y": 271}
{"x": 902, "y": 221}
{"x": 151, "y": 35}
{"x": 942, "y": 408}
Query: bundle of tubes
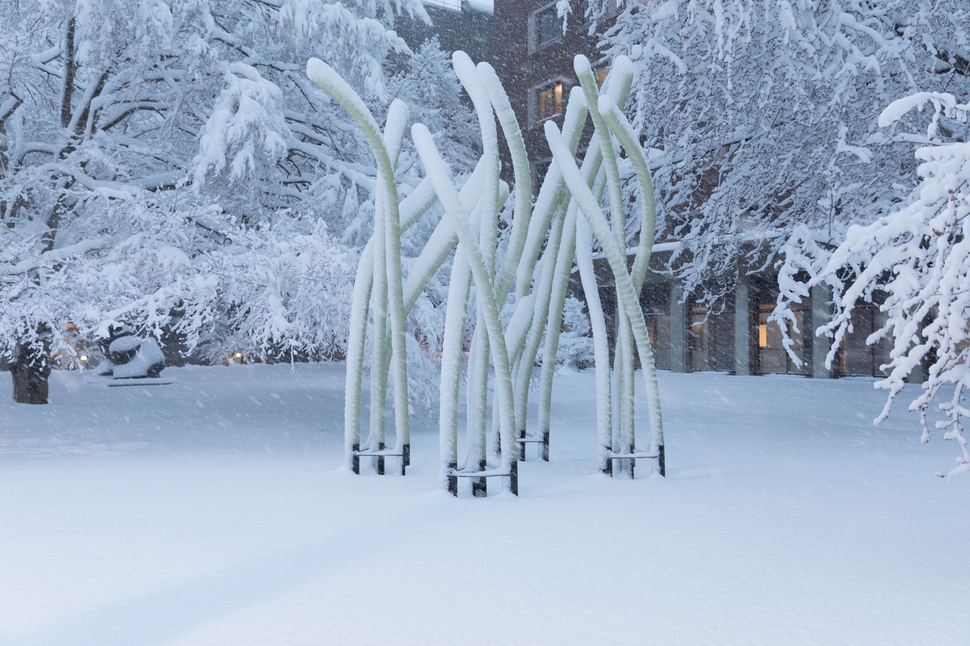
{"x": 546, "y": 238}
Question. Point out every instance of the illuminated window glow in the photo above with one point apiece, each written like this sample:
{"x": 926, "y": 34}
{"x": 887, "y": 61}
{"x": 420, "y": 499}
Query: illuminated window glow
{"x": 549, "y": 102}
{"x": 601, "y": 75}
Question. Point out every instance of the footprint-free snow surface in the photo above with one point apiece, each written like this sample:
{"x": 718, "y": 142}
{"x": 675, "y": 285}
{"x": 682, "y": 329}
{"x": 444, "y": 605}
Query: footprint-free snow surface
{"x": 216, "y": 511}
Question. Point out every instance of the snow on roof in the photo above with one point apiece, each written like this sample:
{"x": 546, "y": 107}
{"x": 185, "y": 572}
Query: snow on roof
{"x": 485, "y": 6}
{"x": 454, "y": 5}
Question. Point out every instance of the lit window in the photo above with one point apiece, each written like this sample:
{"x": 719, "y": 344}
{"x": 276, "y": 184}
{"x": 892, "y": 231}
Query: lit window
{"x": 763, "y": 335}
{"x": 548, "y": 25}
{"x": 601, "y": 75}
{"x": 549, "y": 102}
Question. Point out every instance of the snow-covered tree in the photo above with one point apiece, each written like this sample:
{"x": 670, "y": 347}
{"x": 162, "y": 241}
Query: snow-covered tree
{"x": 171, "y": 158}
{"x": 428, "y": 83}
{"x": 770, "y": 153}
{"x": 916, "y": 263}
{"x": 86, "y": 148}
{"x": 763, "y": 116}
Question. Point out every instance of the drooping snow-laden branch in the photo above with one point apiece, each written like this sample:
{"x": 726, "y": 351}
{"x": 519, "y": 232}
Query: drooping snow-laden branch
{"x": 918, "y": 260}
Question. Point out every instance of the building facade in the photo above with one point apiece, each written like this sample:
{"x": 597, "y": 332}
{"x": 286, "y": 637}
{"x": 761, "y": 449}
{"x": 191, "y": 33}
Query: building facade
{"x": 532, "y": 52}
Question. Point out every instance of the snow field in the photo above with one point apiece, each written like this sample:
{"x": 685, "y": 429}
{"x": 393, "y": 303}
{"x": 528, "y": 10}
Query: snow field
{"x": 216, "y": 511}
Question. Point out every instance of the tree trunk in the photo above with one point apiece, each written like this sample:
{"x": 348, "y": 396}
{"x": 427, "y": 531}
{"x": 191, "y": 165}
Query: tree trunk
{"x": 30, "y": 369}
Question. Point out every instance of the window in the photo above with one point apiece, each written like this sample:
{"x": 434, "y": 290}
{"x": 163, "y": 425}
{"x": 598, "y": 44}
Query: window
{"x": 548, "y": 25}
{"x": 710, "y": 339}
{"x": 601, "y": 73}
{"x": 855, "y": 356}
{"x": 549, "y": 102}
{"x": 772, "y": 357}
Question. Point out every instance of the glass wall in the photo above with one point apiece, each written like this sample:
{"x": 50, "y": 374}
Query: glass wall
{"x": 711, "y": 335}
{"x": 771, "y": 356}
{"x": 854, "y": 357}
{"x": 710, "y": 338}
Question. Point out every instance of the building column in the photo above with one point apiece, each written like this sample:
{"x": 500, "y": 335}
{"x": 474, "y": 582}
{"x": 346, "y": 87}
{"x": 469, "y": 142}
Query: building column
{"x": 679, "y": 319}
{"x": 743, "y": 328}
{"x": 821, "y": 314}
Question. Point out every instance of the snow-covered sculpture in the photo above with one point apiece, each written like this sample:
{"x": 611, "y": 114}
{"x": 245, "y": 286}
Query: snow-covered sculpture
{"x": 127, "y": 356}
{"x": 510, "y": 325}
{"x": 616, "y": 441}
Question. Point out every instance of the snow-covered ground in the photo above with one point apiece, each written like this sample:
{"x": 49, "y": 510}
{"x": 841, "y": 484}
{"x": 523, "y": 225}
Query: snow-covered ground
{"x": 215, "y": 511}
